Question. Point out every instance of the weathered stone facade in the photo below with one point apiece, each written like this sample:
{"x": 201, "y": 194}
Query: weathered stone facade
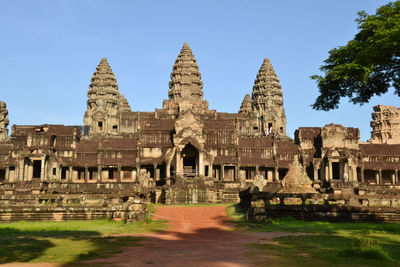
{"x": 385, "y": 125}
{"x": 186, "y": 152}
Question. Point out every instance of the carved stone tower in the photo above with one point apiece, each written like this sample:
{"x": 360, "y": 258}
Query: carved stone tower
{"x": 245, "y": 107}
{"x": 385, "y": 125}
{"x": 104, "y": 102}
{"x": 3, "y": 121}
{"x": 267, "y": 101}
{"x": 185, "y": 85}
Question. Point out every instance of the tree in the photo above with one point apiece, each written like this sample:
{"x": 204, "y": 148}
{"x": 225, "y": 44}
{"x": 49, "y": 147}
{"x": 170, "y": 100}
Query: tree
{"x": 368, "y": 65}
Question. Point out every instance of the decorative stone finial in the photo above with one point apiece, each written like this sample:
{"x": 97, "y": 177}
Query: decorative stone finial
{"x": 267, "y": 100}
{"x": 3, "y": 121}
{"x": 245, "y": 107}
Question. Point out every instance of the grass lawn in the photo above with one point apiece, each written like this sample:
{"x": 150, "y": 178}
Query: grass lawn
{"x": 69, "y": 241}
{"x": 324, "y": 243}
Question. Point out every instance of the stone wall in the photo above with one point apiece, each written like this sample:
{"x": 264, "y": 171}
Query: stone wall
{"x": 59, "y": 201}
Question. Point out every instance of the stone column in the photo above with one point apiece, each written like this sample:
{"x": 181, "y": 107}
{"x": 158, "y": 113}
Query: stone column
{"x": 330, "y": 171}
{"x": 396, "y": 176}
{"x": 315, "y": 173}
{"x": 86, "y": 174}
{"x": 222, "y": 174}
{"x": 378, "y": 176}
{"x": 362, "y": 175}
{"x": 236, "y": 174}
{"x": 99, "y": 171}
{"x": 168, "y": 171}
{"x": 276, "y": 174}
{"x": 42, "y": 169}
{"x": 201, "y": 164}
{"x": 156, "y": 173}
{"x": 119, "y": 173}
{"x": 7, "y": 178}
{"x": 70, "y": 178}
{"x": 178, "y": 162}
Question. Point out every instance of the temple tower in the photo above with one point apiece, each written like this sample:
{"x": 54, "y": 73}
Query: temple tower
{"x": 245, "y": 107}
{"x": 267, "y": 101}
{"x": 185, "y": 85}
{"x": 385, "y": 125}
{"x": 104, "y": 101}
{"x": 3, "y": 121}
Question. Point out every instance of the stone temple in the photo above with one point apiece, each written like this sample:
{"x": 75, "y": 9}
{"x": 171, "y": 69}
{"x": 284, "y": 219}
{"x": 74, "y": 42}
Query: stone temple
{"x": 185, "y": 152}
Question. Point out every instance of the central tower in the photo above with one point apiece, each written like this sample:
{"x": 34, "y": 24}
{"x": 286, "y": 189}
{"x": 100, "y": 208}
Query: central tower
{"x": 185, "y": 85}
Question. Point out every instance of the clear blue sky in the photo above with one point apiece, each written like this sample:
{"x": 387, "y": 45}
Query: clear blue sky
{"x": 49, "y": 50}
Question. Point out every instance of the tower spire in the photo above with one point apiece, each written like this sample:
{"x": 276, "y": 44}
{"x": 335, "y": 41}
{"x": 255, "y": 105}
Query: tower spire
{"x": 245, "y": 107}
{"x": 267, "y": 100}
{"x": 103, "y": 102}
{"x": 185, "y": 85}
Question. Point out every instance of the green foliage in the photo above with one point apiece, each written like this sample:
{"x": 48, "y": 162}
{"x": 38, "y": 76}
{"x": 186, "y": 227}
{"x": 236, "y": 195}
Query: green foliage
{"x": 368, "y": 65}
{"x": 366, "y": 248}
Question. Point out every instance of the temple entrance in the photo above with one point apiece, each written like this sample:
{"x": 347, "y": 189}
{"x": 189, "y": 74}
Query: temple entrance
{"x": 37, "y": 169}
{"x": 190, "y": 156}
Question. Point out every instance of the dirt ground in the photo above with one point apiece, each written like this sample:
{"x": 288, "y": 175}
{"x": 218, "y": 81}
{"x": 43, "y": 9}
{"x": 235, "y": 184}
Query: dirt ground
{"x": 196, "y": 236}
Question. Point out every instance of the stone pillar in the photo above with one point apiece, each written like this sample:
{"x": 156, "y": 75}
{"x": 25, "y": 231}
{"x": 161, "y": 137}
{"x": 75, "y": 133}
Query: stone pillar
{"x": 315, "y": 173}
{"x": 178, "y": 162}
{"x": 168, "y": 171}
{"x": 236, "y": 174}
{"x": 396, "y": 176}
{"x": 99, "y": 170}
{"x": 330, "y": 171}
{"x": 70, "y": 178}
{"x": 378, "y": 176}
{"x": 86, "y": 174}
{"x": 201, "y": 164}
{"x": 362, "y": 175}
{"x": 276, "y": 174}
{"x": 42, "y": 169}
{"x": 222, "y": 174}
{"x": 119, "y": 173}
{"x": 156, "y": 173}
{"x": 7, "y": 178}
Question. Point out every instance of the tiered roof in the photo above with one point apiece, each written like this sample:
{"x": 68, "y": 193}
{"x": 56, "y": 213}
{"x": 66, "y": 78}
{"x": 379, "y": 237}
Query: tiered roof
{"x": 103, "y": 80}
{"x": 185, "y": 77}
{"x": 245, "y": 107}
{"x": 267, "y": 92}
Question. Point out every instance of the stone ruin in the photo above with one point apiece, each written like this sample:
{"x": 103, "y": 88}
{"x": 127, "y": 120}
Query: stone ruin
{"x": 187, "y": 153}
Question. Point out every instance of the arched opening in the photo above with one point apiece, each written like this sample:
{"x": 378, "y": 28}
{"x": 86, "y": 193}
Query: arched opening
{"x": 190, "y": 156}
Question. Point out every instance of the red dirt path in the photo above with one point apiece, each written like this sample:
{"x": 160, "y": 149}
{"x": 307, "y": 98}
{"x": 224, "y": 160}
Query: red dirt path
{"x": 196, "y": 236}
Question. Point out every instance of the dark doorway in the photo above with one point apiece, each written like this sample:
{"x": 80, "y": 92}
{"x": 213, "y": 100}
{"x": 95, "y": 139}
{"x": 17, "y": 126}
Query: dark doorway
{"x": 37, "y": 168}
{"x": 190, "y": 155}
{"x": 2, "y": 174}
{"x": 335, "y": 170}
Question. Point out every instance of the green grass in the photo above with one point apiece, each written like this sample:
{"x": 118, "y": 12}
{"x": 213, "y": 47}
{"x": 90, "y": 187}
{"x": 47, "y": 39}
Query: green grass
{"x": 69, "y": 241}
{"x": 324, "y": 243}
